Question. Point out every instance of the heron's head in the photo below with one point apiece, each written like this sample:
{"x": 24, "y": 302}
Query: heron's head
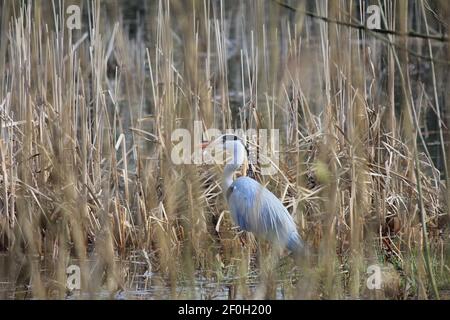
{"x": 228, "y": 141}
{"x": 231, "y": 144}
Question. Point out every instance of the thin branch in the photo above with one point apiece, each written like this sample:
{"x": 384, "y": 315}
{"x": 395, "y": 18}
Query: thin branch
{"x": 378, "y": 33}
{"x": 411, "y": 34}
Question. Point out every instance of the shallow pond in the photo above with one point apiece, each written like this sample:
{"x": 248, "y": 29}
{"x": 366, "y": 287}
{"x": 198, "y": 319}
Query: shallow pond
{"x": 137, "y": 282}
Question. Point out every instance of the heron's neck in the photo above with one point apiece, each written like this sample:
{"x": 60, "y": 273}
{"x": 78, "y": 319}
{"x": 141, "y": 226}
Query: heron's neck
{"x": 239, "y": 154}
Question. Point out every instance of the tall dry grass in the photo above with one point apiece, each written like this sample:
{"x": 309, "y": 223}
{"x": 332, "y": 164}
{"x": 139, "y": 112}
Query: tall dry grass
{"x": 86, "y": 120}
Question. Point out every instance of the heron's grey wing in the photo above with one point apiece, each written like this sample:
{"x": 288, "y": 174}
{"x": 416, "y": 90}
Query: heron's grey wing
{"x": 256, "y": 209}
{"x": 239, "y": 204}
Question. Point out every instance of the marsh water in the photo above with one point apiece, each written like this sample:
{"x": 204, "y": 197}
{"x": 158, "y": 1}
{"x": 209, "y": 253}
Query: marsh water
{"x": 138, "y": 282}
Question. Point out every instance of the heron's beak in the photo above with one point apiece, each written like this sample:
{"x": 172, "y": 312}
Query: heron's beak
{"x": 204, "y": 145}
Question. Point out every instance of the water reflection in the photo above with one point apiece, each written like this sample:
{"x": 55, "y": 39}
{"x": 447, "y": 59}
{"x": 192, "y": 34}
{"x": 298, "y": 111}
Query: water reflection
{"x": 137, "y": 282}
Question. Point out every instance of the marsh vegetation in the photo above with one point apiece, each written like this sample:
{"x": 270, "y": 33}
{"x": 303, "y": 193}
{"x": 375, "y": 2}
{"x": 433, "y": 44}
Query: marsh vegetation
{"x": 86, "y": 118}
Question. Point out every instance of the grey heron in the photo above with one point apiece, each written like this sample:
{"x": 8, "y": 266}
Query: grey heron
{"x": 252, "y": 206}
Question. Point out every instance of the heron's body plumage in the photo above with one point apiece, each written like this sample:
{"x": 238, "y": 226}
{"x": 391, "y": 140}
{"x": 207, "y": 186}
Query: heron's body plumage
{"x": 254, "y": 208}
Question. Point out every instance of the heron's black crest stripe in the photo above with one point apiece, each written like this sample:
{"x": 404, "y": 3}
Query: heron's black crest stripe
{"x": 226, "y": 137}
